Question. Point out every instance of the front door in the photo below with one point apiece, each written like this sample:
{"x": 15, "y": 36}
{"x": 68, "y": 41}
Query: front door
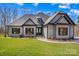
{"x": 39, "y": 30}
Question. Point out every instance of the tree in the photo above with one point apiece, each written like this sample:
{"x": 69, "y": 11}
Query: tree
{"x": 6, "y": 16}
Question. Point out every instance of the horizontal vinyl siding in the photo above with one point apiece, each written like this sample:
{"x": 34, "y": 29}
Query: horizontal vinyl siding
{"x": 50, "y": 31}
{"x": 45, "y": 31}
{"x": 71, "y": 31}
{"x": 14, "y": 35}
{"x": 54, "y": 31}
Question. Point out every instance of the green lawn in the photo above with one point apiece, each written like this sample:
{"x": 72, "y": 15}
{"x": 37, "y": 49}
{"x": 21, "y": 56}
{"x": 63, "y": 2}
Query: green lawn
{"x": 33, "y": 47}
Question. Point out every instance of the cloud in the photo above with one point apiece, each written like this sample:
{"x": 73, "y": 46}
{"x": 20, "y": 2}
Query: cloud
{"x": 69, "y": 13}
{"x": 64, "y": 6}
{"x": 74, "y": 11}
{"x": 21, "y": 4}
{"x": 38, "y": 11}
{"x": 35, "y": 4}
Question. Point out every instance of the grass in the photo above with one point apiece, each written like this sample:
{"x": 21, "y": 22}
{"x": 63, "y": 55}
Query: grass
{"x": 34, "y": 47}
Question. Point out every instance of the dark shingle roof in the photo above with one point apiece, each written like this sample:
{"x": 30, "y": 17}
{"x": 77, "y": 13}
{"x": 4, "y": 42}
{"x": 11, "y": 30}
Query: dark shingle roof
{"x": 25, "y": 17}
{"x": 55, "y": 14}
{"x": 43, "y": 16}
{"x": 50, "y": 18}
{"x": 45, "y": 19}
{"x": 22, "y": 20}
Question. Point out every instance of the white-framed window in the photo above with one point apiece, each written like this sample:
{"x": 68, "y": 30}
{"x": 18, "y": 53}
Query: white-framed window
{"x": 62, "y": 31}
{"x": 29, "y": 31}
{"x": 15, "y": 30}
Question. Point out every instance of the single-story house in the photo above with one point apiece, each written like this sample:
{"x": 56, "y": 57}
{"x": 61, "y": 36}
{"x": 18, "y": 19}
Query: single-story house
{"x": 57, "y": 26}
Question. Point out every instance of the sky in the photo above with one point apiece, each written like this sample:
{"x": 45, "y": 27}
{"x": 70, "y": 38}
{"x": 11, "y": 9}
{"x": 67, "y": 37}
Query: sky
{"x": 71, "y": 9}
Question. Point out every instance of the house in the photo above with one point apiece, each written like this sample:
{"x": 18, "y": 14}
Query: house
{"x": 57, "y": 26}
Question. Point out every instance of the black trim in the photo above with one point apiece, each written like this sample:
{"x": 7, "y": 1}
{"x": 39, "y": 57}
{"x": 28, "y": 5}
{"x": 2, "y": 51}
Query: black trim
{"x": 47, "y": 31}
{"x": 13, "y": 26}
{"x": 70, "y": 19}
{"x": 53, "y": 18}
{"x": 67, "y": 20}
{"x": 27, "y": 21}
{"x": 73, "y": 32}
{"x": 28, "y": 25}
{"x": 58, "y": 19}
{"x": 66, "y": 17}
{"x": 59, "y": 24}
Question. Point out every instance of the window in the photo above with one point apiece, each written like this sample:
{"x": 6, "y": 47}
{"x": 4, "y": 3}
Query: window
{"x": 62, "y": 31}
{"x": 15, "y": 30}
{"x": 40, "y": 20}
{"x": 29, "y": 31}
{"x": 39, "y": 30}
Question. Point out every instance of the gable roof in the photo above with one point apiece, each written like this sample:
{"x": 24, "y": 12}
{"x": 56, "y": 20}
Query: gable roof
{"x": 29, "y": 22}
{"x": 54, "y": 15}
{"x": 64, "y": 20}
{"x": 43, "y": 16}
{"x": 45, "y": 19}
{"x": 34, "y": 18}
{"x": 22, "y": 20}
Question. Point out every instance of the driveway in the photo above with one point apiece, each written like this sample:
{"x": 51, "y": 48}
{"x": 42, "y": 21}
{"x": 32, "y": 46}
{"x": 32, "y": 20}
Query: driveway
{"x": 55, "y": 41}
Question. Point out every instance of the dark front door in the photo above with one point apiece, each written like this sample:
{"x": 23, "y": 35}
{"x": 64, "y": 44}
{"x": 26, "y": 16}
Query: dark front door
{"x": 39, "y": 30}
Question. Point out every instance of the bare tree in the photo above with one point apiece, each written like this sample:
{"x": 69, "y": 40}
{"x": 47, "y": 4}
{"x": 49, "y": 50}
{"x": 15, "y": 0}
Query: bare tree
{"x": 7, "y": 15}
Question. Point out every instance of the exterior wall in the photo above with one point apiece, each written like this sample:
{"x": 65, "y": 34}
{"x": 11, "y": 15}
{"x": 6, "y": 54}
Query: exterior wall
{"x": 29, "y": 27}
{"x": 22, "y": 31}
{"x": 14, "y": 35}
{"x": 50, "y": 31}
{"x": 57, "y": 36}
{"x": 70, "y": 31}
{"x": 54, "y": 31}
{"x": 76, "y": 30}
{"x": 45, "y": 31}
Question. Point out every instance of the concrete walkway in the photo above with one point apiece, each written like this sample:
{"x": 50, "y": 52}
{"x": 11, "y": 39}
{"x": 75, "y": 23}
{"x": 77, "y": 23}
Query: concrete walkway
{"x": 55, "y": 41}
